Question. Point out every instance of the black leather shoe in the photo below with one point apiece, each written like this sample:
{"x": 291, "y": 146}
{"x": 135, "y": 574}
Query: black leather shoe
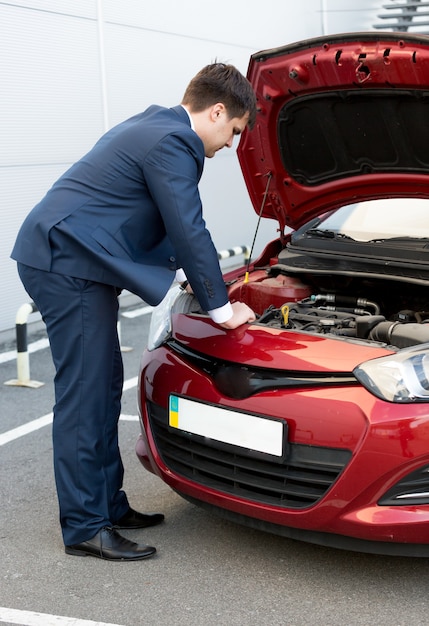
{"x": 108, "y": 544}
{"x": 134, "y": 519}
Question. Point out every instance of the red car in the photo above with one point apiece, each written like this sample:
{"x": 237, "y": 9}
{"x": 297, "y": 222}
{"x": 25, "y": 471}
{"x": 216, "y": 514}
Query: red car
{"x": 313, "y": 422}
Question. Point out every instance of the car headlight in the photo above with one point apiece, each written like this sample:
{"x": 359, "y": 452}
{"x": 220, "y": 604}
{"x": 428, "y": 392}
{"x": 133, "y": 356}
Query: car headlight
{"x": 402, "y": 377}
{"x": 160, "y": 323}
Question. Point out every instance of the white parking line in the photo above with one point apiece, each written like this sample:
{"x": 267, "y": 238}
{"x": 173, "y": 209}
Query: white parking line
{"x": 30, "y": 427}
{"x": 137, "y": 312}
{"x": 129, "y": 418}
{"x": 32, "y": 347}
{"x": 29, "y": 618}
{"x": 25, "y": 429}
{"x": 130, "y": 383}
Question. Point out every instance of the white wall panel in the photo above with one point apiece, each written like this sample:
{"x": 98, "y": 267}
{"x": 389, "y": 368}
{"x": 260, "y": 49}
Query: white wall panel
{"x": 81, "y": 8}
{"x": 246, "y": 23}
{"x": 20, "y": 189}
{"x": 51, "y": 107}
{"x": 228, "y": 211}
{"x": 350, "y": 15}
{"x": 50, "y": 113}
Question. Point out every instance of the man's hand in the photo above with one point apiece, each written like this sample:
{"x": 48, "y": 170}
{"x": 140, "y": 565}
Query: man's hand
{"x": 242, "y": 314}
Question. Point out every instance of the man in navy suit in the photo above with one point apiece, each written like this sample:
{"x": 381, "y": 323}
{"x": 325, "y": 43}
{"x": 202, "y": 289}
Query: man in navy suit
{"x": 127, "y": 215}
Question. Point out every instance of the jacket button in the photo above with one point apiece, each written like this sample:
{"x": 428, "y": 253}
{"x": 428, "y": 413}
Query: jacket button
{"x": 172, "y": 259}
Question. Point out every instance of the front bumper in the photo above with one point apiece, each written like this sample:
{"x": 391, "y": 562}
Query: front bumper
{"x": 345, "y": 452}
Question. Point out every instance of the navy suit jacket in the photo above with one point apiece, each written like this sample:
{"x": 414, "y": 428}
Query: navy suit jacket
{"x": 129, "y": 213}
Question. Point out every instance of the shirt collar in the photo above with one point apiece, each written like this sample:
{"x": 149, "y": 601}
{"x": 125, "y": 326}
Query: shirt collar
{"x": 190, "y": 117}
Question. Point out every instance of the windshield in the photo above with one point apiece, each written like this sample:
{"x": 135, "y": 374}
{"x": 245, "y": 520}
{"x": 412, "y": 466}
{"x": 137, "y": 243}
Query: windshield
{"x": 379, "y": 219}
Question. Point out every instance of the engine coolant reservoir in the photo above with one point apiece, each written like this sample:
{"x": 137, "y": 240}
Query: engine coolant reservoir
{"x": 261, "y": 292}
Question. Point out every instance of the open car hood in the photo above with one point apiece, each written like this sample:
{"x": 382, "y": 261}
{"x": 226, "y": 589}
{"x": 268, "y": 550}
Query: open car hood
{"x": 340, "y": 118}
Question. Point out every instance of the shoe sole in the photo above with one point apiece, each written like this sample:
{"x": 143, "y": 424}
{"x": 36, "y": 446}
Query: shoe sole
{"x": 74, "y": 552}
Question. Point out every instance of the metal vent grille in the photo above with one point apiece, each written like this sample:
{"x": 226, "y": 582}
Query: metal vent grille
{"x": 300, "y": 481}
{"x": 405, "y": 16}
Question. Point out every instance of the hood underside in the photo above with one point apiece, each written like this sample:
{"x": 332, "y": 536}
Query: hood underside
{"x": 340, "y": 118}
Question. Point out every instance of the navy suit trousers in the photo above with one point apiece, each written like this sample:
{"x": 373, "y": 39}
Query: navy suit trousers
{"x": 81, "y": 321}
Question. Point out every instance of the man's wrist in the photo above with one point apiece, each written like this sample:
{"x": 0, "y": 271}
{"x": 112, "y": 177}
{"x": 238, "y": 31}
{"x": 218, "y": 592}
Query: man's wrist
{"x": 221, "y": 314}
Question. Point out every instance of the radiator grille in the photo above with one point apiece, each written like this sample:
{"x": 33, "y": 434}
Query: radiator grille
{"x": 300, "y": 481}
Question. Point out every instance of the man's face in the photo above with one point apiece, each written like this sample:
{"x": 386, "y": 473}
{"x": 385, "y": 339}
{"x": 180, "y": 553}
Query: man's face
{"x": 219, "y": 130}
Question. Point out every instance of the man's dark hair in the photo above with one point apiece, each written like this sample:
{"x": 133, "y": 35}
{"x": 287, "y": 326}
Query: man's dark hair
{"x": 219, "y": 82}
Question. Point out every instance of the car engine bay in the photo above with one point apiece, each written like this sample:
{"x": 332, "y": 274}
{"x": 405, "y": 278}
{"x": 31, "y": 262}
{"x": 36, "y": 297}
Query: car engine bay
{"x": 369, "y": 308}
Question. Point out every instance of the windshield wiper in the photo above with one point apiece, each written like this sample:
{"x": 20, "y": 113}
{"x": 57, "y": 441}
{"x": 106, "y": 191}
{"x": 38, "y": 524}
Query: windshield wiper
{"x": 327, "y": 234}
{"x": 403, "y": 238}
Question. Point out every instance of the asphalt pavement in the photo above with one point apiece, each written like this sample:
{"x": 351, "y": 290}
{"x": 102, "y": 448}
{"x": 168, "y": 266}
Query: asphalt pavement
{"x": 207, "y": 571}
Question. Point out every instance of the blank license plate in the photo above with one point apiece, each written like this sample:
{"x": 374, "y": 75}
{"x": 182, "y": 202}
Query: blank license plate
{"x": 231, "y": 427}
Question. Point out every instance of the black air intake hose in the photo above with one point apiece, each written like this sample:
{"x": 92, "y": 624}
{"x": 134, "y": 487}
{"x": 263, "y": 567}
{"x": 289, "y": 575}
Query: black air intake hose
{"x": 400, "y": 335}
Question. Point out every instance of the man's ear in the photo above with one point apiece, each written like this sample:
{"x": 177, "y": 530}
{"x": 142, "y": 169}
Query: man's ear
{"x": 217, "y": 110}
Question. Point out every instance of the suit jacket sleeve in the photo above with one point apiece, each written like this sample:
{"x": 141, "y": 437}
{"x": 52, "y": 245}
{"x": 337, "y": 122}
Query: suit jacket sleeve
{"x": 172, "y": 171}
